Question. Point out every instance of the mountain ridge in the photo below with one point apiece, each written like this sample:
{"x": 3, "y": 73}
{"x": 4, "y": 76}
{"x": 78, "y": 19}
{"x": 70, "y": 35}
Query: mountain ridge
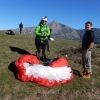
{"x": 62, "y": 31}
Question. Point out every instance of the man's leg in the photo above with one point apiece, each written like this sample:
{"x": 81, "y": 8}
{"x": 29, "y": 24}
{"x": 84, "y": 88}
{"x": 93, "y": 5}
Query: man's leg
{"x": 88, "y": 62}
{"x": 20, "y": 30}
{"x": 83, "y": 63}
{"x": 83, "y": 60}
{"x": 86, "y": 58}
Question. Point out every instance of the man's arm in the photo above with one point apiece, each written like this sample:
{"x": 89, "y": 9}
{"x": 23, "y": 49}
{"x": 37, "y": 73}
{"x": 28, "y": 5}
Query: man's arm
{"x": 91, "y": 41}
{"x": 90, "y": 46}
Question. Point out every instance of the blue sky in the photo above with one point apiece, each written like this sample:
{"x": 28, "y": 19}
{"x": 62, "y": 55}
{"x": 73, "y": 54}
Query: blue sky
{"x": 73, "y": 13}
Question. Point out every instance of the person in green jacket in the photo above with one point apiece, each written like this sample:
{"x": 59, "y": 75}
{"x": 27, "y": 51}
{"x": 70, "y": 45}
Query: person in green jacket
{"x": 42, "y": 31}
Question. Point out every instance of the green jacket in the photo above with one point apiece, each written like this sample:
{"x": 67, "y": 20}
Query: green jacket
{"x": 41, "y": 29}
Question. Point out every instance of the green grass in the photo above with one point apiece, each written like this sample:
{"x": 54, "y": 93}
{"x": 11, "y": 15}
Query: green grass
{"x": 78, "y": 89}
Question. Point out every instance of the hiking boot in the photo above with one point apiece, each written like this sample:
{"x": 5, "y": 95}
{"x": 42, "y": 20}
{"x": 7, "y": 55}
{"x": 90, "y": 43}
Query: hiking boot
{"x": 83, "y": 73}
{"x": 87, "y": 75}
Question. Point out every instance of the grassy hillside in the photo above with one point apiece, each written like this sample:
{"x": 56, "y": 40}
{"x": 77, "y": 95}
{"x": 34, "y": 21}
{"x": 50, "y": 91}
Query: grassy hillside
{"x": 12, "y": 47}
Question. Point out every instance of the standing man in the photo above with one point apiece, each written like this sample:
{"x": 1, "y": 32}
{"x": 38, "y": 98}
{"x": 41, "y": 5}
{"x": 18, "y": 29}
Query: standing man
{"x": 87, "y": 46}
{"x": 20, "y": 26}
{"x": 42, "y": 32}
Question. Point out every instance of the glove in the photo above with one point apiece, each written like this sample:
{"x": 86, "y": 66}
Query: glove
{"x": 44, "y": 35}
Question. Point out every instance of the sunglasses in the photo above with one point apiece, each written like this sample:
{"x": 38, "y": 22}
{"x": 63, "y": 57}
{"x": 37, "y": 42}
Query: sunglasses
{"x": 44, "y": 21}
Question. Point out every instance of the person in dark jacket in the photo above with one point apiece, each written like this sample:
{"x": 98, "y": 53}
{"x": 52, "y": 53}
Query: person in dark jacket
{"x": 20, "y": 26}
{"x": 87, "y": 46}
{"x": 42, "y": 31}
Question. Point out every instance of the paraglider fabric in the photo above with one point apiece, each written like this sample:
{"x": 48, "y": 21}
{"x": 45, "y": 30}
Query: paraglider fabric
{"x": 30, "y": 69}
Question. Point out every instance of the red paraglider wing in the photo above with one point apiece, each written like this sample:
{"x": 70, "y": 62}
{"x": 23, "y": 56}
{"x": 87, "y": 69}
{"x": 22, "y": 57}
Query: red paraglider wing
{"x": 20, "y": 68}
{"x": 44, "y": 81}
{"x": 59, "y": 62}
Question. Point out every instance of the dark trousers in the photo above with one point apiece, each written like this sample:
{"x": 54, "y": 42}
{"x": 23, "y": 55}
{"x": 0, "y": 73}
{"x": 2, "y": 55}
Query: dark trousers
{"x": 20, "y": 30}
{"x": 36, "y": 44}
{"x": 41, "y": 45}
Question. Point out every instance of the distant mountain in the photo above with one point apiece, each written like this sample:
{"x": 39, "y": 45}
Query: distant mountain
{"x": 63, "y": 32}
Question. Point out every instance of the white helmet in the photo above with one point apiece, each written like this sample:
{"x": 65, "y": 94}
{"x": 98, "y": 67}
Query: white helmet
{"x": 44, "y": 18}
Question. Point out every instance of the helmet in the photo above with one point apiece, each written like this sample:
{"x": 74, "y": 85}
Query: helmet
{"x": 44, "y": 18}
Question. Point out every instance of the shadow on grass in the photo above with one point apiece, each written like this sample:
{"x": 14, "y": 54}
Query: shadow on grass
{"x": 19, "y": 50}
{"x": 12, "y": 68}
{"x": 76, "y": 72}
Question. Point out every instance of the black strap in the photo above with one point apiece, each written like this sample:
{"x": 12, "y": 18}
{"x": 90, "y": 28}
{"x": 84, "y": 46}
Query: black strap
{"x": 48, "y": 48}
